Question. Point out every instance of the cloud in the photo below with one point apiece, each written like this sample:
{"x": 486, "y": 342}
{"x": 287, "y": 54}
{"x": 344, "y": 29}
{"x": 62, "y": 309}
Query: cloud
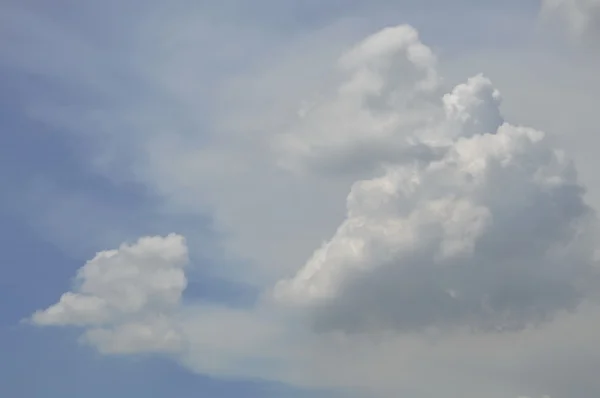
{"x": 129, "y": 301}
{"x": 494, "y": 235}
{"x": 580, "y": 17}
{"x": 352, "y": 128}
{"x": 455, "y": 219}
{"x": 125, "y": 299}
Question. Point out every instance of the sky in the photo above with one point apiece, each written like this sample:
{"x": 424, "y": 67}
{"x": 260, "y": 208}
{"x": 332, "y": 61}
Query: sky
{"x": 333, "y": 198}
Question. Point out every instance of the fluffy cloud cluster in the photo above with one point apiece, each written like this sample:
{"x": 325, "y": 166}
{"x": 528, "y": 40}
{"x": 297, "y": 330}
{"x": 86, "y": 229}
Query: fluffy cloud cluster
{"x": 389, "y": 84}
{"x": 493, "y": 234}
{"x": 126, "y": 298}
{"x": 582, "y": 17}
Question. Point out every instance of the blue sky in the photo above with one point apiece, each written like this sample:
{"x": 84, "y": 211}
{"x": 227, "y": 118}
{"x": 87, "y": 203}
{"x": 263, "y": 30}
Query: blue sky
{"x": 50, "y": 362}
{"x": 234, "y": 127}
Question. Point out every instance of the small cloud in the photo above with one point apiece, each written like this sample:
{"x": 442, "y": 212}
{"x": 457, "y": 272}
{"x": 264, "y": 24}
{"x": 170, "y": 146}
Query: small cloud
{"x": 125, "y": 299}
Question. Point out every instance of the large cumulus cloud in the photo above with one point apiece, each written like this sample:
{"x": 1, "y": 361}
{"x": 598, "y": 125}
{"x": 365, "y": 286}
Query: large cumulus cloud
{"x": 492, "y": 234}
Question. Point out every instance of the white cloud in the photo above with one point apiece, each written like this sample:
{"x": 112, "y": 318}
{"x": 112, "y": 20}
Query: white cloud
{"x": 126, "y": 298}
{"x": 472, "y": 108}
{"x": 129, "y": 301}
{"x": 495, "y": 234}
{"x": 386, "y": 93}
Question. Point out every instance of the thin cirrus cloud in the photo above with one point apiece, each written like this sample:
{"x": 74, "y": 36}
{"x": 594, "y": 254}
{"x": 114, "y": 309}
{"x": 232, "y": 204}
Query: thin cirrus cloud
{"x": 455, "y": 220}
{"x": 581, "y": 18}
